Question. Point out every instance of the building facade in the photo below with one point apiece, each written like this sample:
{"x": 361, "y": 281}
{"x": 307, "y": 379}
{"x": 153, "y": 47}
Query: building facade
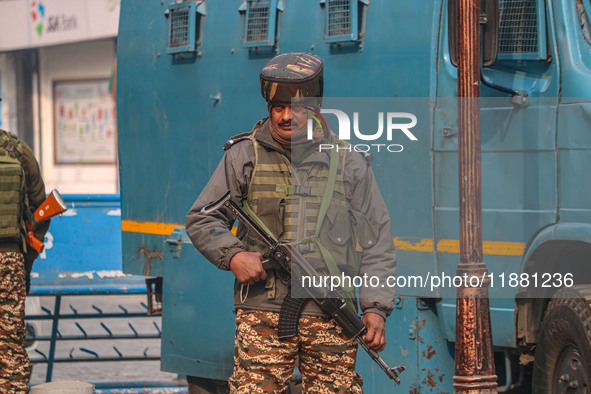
{"x": 57, "y": 63}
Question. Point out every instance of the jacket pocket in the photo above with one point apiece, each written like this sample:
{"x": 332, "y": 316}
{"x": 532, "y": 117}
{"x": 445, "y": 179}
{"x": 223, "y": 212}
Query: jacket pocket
{"x": 367, "y": 234}
{"x": 337, "y": 237}
{"x": 339, "y": 225}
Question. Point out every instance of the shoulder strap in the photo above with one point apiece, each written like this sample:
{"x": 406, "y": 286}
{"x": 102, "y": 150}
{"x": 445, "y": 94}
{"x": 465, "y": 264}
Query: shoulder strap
{"x": 328, "y": 192}
{"x": 15, "y": 153}
{"x": 331, "y": 264}
{"x": 236, "y": 139}
{"x": 242, "y": 136}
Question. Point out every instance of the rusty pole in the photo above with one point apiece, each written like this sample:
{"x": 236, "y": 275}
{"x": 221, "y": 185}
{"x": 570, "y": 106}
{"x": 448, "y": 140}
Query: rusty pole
{"x": 474, "y": 364}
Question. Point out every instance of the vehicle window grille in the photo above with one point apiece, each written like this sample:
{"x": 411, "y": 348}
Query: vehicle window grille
{"x": 184, "y": 26}
{"x": 518, "y": 27}
{"x": 179, "y": 28}
{"x": 339, "y": 17}
{"x": 258, "y": 21}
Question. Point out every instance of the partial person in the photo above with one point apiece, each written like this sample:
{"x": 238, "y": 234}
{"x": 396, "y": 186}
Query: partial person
{"x": 22, "y": 191}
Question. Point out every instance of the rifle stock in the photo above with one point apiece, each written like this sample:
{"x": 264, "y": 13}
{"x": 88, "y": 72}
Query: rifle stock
{"x": 285, "y": 255}
{"x": 52, "y": 206}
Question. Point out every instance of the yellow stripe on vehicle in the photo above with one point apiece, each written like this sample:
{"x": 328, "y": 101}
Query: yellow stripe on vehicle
{"x": 132, "y": 226}
{"x": 424, "y": 245}
{"x": 499, "y": 248}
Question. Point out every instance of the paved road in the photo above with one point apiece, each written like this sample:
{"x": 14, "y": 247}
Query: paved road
{"x": 100, "y": 371}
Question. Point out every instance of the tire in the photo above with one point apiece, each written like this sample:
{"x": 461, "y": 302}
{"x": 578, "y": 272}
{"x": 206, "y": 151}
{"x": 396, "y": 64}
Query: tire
{"x": 563, "y": 354}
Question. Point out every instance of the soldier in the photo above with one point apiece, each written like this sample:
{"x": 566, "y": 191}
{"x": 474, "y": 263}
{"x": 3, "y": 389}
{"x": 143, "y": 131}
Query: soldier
{"x": 22, "y": 190}
{"x": 280, "y": 176}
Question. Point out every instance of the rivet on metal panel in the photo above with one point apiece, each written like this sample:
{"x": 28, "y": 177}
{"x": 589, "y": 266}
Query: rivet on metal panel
{"x": 448, "y": 132}
{"x": 398, "y": 302}
{"x": 412, "y": 333}
{"x": 422, "y": 304}
{"x": 217, "y": 98}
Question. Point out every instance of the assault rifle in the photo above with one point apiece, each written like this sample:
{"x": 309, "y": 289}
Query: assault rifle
{"x": 53, "y": 205}
{"x": 331, "y": 302}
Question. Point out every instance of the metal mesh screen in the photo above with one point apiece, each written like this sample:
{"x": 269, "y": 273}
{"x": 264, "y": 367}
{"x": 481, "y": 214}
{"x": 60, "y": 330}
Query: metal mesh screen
{"x": 258, "y": 21}
{"x": 339, "y": 18}
{"x": 179, "y": 28}
{"x": 518, "y": 26}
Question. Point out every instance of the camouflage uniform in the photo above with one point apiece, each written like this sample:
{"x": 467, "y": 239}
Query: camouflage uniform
{"x": 264, "y": 364}
{"x": 16, "y": 261}
{"x": 251, "y": 171}
{"x": 14, "y": 361}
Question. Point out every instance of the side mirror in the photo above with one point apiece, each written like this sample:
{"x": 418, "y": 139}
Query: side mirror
{"x": 489, "y": 19}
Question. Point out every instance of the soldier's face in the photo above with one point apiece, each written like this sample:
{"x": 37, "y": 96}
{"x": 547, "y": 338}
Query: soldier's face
{"x": 287, "y": 120}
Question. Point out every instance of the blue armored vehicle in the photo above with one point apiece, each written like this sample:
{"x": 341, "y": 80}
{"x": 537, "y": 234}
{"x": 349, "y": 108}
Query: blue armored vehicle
{"x": 188, "y": 81}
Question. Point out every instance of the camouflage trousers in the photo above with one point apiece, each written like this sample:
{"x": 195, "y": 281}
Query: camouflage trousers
{"x": 264, "y": 364}
{"x": 15, "y": 370}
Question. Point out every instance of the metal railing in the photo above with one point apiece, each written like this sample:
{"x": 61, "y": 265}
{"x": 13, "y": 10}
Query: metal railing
{"x": 102, "y": 331}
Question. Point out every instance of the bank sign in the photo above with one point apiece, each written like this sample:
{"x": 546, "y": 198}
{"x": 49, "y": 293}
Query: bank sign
{"x": 45, "y": 22}
{"x": 35, "y": 23}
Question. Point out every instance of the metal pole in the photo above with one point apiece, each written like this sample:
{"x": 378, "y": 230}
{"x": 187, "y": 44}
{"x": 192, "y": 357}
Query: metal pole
{"x": 474, "y": 363}
{"x": 54, "y": 334}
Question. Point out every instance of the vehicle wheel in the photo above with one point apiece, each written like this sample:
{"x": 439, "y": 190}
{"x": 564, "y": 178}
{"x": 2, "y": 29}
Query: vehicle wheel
{"x": 563, "y": 354}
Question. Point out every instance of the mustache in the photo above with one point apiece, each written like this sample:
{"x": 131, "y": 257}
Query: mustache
{"x": 288, "y": 123}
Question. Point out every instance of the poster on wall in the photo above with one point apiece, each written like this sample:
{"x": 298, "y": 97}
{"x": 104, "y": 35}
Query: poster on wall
{"x": 85, "y": 123}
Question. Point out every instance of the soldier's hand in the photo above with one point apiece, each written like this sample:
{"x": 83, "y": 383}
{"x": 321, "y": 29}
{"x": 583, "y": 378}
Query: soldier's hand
{"x": 247, "y": 267}
{"x": 375, "y": 337}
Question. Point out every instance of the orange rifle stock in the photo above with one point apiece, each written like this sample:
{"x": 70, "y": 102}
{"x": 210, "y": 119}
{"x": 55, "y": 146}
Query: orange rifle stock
{"x": 52, "y": 206}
